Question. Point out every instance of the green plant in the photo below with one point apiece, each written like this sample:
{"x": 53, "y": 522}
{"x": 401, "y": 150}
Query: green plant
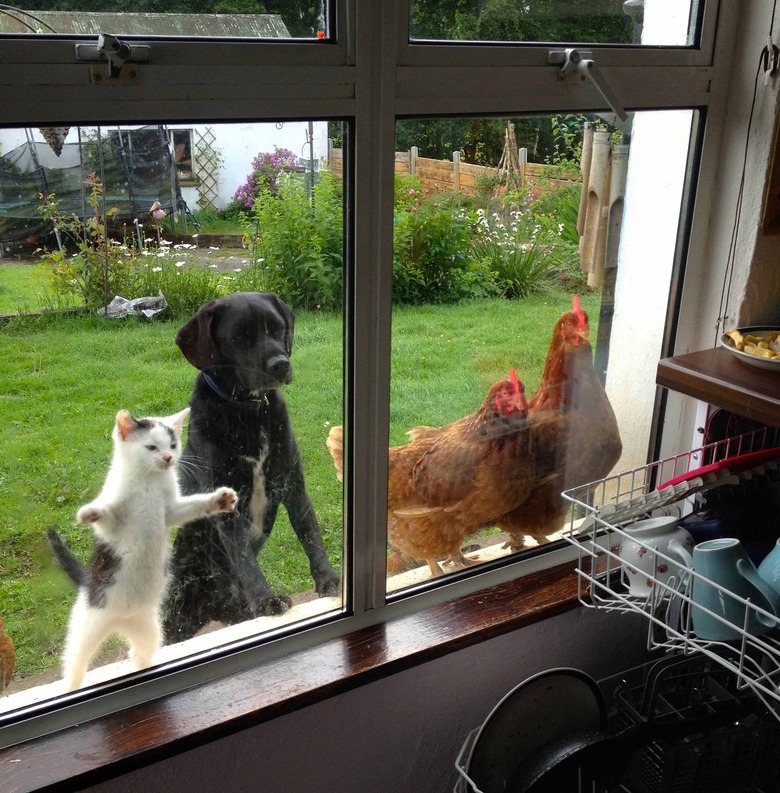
{"x": 99, "y": 267}
{"x": 407, "y": 192}
{"x": 430, "y": 261}
{"x": 557, "y": 210}
{"x": 185, "y": 280}
{"x": 519, "y": 259}
{"x": 266, "y": 173}
{"x": 295, "y": 244}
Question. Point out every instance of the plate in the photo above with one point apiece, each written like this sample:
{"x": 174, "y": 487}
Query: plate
{"x": 543, "y": 708}
{"x": 770, "y": 364}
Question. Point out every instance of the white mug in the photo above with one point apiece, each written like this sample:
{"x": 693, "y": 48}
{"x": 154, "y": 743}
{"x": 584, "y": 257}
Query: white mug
{"x": 642, "y": 566}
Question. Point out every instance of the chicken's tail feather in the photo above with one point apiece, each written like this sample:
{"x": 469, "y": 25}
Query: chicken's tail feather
{"x": 335, "y": 444}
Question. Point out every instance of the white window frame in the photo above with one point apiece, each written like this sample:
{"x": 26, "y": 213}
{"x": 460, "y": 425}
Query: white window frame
{"x": 372, "y": 74}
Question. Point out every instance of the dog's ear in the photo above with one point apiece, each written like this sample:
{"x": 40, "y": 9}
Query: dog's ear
{"x": 289, "y": 321}
{"x": 194, "y": 339}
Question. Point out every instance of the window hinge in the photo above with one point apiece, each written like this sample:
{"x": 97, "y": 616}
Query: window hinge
{"x": 112, "y": 60}
{"x": 578, "y": 66}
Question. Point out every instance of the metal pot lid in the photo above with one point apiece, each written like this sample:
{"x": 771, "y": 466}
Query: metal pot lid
{"x": 541, "y": 709}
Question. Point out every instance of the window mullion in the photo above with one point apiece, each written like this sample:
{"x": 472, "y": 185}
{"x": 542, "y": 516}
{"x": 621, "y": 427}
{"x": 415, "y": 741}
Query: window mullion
{"x": 373, "y": 202}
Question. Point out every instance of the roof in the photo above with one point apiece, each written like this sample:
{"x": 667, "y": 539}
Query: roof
{"x": 143, "y": 24}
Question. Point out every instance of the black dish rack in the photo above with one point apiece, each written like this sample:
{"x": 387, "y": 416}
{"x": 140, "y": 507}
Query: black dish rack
{"x": 692, "y": 730}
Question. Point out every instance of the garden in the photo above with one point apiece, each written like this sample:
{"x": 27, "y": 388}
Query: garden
{"x": 66, "y": 370}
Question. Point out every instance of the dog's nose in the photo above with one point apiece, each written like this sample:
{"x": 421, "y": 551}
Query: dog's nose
{"x": 279, "y": 367}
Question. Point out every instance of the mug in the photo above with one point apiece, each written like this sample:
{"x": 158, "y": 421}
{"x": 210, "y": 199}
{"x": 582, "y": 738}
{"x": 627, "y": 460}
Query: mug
{"x": 725, "y": 562}
{"x": 642, "y": 567}
{"x": 769, "y": 569}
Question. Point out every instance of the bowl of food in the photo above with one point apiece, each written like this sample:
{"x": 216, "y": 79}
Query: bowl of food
{"x": 757, "y": 345}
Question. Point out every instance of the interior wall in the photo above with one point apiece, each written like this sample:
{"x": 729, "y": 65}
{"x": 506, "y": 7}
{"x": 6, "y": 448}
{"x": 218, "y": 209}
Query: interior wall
{"x": 400, "y": 734}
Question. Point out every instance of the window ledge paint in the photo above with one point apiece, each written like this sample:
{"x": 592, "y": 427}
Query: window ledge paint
{"x": 112, "y": 745}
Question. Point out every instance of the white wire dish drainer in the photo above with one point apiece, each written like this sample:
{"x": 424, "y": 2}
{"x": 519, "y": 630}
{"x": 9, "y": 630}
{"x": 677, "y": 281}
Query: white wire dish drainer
{"x": 602, "y": 511}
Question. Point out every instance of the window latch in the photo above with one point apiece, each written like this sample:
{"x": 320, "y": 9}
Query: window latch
{"x": 112, "y": 59}
{"x": 578, "y": 66}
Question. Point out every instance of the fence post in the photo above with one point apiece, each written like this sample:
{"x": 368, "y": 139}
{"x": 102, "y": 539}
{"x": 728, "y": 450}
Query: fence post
{"x": 522, "y": 158}
{"x": 456, "y": 170}
{"x": 413, "y": 152}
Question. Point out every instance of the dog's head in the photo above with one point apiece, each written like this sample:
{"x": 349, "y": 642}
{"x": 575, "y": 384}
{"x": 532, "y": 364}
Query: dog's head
{"x": 243, "y": 341}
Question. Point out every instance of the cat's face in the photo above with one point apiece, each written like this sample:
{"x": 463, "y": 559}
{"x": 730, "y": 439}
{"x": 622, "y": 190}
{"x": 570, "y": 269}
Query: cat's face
{"x": 150, "y": 444}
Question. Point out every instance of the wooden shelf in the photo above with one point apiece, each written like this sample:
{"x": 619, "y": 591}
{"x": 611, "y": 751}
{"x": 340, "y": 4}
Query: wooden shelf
{"x": 717, "y": 377}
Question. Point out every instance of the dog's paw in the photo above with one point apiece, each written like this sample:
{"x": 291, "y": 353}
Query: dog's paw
{"x": 273, "y": 605}
{"x": 328, "y": 586}
{"x": 224, "y": 499}
{"x": 90, "y": 514}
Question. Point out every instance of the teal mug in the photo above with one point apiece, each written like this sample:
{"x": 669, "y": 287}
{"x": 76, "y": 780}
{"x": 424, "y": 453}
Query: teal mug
{"x": 724, "y": 561}
{"x": 769, "y": 569}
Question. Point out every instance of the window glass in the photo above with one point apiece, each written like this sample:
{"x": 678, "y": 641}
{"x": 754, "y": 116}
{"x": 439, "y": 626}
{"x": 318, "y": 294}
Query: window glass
{"x": 532, "y": 267}
{"x": 233, "y": 18}
{"x": 659, "y": 22}
{"x": 109, "y": 247}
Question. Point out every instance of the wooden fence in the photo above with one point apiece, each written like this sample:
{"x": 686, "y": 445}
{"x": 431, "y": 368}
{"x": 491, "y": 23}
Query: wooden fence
{"x": 438, "y": 176}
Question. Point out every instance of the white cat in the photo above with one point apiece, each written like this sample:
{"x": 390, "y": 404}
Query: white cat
{"x": 121, "y": 590}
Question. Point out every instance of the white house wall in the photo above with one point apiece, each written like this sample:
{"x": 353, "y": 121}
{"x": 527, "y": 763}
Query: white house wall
{"x": 237, "y": 144}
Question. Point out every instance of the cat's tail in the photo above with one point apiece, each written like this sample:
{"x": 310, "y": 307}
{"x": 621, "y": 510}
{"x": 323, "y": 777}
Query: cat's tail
{"x": 68, "y": 561}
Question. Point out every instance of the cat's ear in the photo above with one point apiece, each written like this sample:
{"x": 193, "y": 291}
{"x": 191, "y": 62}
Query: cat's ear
{"x": 125, "y": 424}
{"x": 177, "y": 420}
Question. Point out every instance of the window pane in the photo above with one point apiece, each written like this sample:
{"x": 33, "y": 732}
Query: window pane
{"x": 656, "y": 22}
{"x": 168, "y": 219}
{"x": 516, "y": 241}
{"x": 240, "y": 19}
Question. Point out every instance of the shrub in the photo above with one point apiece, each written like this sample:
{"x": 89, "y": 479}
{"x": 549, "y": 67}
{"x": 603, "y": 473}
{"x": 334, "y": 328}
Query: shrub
{"x": 295, "y": 244}
{"x": 430, "y": 257}
{"x": 267, "y": 168}
{"x": 99, "y": 267}
{"x": 519, "y": 261}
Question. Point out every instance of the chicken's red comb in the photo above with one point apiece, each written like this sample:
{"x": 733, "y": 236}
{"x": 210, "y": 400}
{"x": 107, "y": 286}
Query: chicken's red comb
{"x": 576, "y": 306}
{"x": 515, "y": 382}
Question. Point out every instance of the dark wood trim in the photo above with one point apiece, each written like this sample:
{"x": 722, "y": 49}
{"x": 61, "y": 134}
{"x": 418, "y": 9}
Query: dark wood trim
{"x": 717, "y": 377}
{"x": 112, "y": 745}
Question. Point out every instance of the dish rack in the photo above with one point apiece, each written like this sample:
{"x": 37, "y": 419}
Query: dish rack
{"x": 602, "y": 510}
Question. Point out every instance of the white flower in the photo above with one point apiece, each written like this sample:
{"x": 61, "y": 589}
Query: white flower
{"x": 161, "y": 254}
{"x": 236, "y": 269}
{"x": 227, "y": 278}
{"x": 195, "y": 236}
{"x": 156, "y": 269}
{"x": 165, "y": 242}
{"x": 213, "y": 266}
{"x": 213, "y": 248}
{"x": 179, "y": 264}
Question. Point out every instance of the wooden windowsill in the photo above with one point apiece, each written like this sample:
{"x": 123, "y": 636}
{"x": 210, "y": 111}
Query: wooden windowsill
{"x": 112, "y": 745}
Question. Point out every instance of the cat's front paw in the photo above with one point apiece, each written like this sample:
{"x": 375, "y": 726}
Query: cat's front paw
{"x": 90, "y": 514}
{"x": 224, "y": 499}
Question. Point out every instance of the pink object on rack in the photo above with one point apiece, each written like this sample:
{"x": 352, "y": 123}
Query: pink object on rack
{"x": 731, "y": 464}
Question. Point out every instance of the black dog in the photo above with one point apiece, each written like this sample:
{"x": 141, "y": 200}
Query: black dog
{"x": 239, "y": 436}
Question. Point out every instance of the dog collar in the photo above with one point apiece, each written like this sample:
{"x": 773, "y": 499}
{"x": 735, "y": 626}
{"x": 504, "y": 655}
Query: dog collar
{"x": 232, "y": 397}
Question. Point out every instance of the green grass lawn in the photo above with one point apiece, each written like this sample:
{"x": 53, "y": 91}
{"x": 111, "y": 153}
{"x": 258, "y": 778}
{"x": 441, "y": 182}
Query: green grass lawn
{"x": 64, "y": 377}
{"x": 23, "y": 288}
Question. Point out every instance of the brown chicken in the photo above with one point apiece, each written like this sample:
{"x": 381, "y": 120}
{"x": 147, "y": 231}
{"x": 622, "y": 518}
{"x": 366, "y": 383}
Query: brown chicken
{"x": 577, "y": 436}
{"x": 447, "y": 482}
{"x": 7, "y": 657}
